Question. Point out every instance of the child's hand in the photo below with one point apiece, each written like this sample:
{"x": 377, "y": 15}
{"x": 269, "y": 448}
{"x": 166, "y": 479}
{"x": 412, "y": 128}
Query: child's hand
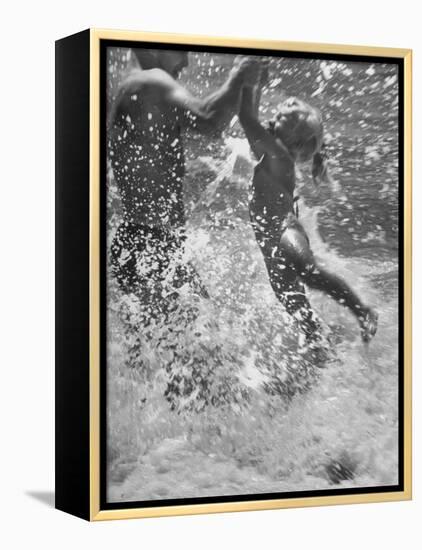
{"x": 248, "y": 68}
{"x": 264, "y": 75}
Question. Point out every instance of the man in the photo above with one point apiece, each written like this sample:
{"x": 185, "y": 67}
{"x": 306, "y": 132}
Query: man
{"x": 147, "y": 157}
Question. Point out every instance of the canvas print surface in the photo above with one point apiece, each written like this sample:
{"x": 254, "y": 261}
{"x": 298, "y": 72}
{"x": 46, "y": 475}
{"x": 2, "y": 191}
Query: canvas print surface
{"x": 252, "y": 214}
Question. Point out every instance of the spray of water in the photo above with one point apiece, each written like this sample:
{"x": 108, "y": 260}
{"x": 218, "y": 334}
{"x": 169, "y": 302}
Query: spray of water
{"x": 218, "y": 396}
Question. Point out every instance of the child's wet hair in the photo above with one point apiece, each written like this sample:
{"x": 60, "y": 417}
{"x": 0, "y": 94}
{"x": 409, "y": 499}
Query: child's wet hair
{"x": 306, "y": 140}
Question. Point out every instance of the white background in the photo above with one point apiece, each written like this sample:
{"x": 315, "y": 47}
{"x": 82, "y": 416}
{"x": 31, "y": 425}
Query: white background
{"x": 27, "y": 39}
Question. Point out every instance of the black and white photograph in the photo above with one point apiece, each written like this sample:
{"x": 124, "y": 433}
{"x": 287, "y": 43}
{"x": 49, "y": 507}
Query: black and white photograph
{"x": 210, "y": 275}
{"x": 251, "y": 254}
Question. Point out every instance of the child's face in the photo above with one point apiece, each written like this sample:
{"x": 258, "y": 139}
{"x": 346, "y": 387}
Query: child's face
{"x": 291, "y": 124}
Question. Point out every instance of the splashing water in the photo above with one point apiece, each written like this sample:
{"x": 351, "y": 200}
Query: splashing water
{"x": 251, "y": 413}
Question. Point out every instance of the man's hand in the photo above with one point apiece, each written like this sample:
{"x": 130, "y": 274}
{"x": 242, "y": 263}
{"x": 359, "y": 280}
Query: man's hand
{"x": 246, "y": 68}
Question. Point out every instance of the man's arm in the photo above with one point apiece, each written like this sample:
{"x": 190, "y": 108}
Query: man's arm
{"x": 214, "y": 112}
{"x": 209, "y": 114}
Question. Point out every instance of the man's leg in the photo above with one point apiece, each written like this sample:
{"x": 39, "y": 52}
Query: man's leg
{"x": 183, "y": 272}
{"x": 123, "y": 257}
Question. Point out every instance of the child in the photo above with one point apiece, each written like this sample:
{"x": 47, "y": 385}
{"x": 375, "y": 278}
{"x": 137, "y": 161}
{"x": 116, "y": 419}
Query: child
{"x": 295, "y": 134}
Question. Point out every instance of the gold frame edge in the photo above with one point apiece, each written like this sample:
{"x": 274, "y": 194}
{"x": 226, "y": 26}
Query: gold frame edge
{"x": 407, "y": 280}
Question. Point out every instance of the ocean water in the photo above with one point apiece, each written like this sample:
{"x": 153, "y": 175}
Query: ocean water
{"x": 247, "y": 411}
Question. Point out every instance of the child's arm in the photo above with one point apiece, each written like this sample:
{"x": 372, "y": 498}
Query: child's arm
{"x": 260, "y": 140}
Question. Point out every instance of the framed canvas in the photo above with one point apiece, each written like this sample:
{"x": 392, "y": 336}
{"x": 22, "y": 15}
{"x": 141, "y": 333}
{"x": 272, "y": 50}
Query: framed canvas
{"x": 233, "y": 274}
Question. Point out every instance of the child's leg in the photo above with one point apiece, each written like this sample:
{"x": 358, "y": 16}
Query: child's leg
{"x": 325, "y": 281}
{"x": 284, "y": 279}
{"x": 337, "y": 288}
{"x": 295, "y": 250}
{"x": 291, "y": 294}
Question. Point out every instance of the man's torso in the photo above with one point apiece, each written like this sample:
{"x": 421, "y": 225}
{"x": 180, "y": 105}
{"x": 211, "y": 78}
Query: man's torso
{"x": 147, "y": 157}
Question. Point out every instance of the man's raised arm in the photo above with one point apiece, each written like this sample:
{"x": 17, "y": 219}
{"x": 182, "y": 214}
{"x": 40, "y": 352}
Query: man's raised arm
{"x": 206, "y": 115}
{"x": 213, "y": 113}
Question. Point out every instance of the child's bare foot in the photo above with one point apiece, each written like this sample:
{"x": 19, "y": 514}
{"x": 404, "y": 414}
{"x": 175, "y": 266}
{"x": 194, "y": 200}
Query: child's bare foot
{"x": 368, "y": 324}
